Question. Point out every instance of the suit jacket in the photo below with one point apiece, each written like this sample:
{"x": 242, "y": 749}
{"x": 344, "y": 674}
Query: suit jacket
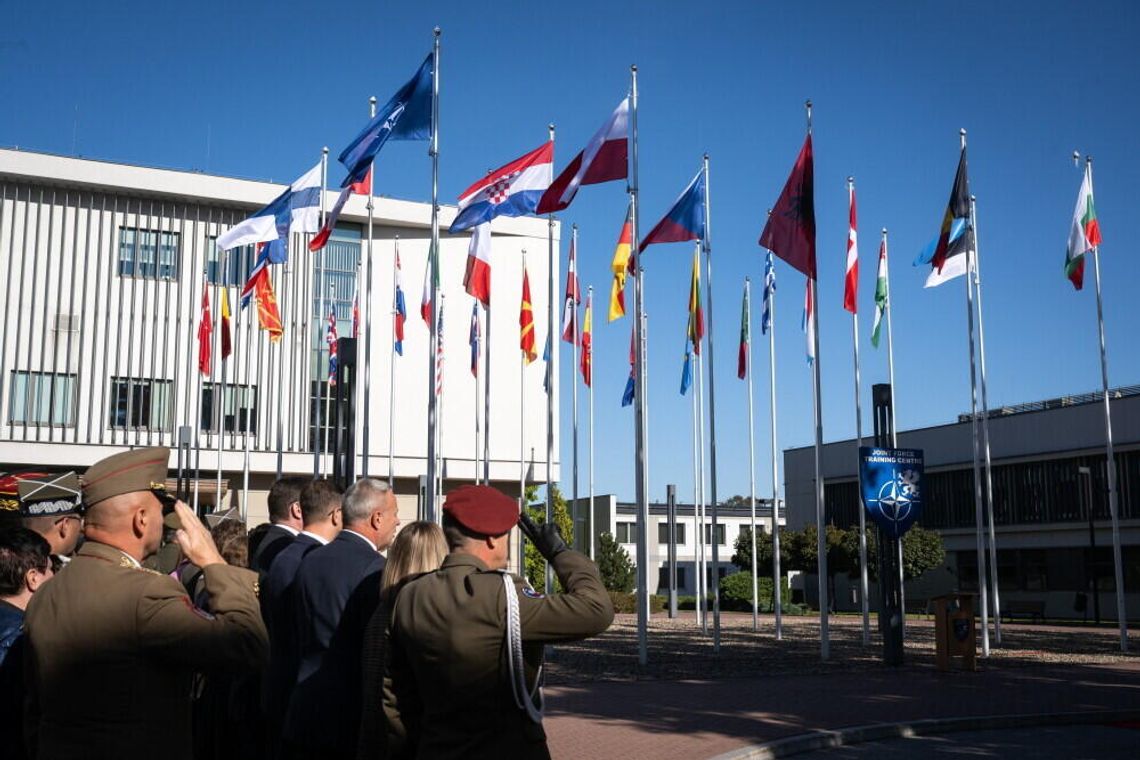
{"x": 338, "y": 588}
{"x": 271, "y": 542}
{"x": 450, "y": 691}
{"x": 277, "y": 607}
{"x": 112, "y": 648}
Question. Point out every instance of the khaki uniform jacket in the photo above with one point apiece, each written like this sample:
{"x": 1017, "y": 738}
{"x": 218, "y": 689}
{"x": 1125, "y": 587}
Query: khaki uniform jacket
{"x": 112, "y": 649}
{"x": 449, "y": 693}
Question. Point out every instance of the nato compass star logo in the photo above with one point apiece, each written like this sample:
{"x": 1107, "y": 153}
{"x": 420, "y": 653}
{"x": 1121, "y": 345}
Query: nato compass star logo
{"x": 899, "y": 496}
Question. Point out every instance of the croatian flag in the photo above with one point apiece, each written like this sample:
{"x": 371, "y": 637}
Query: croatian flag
{"x": 331, "y": 336}
{"x": 685, "y": 220}
{"x": 477, "y": 278}
{"x": 401, "y": 310}
{"x": 511, "y": 190}
{"x": 298, "y": 209}
{"x": 604, "y": 159}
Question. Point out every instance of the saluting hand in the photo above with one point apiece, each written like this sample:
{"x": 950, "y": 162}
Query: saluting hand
{"x": 195, "y": 539}
{"x": 545, "y": 537}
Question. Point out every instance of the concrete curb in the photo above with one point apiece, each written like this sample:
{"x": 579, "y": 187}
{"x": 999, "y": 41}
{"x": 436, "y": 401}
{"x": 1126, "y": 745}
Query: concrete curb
{"x": 817, "y": 740}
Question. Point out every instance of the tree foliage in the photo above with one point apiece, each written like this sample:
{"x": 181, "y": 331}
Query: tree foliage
{"x": 615, "y": 565}
{"x": 742, "y": 551}
{"x": 535, "y": 564}
{"x": 922, "y": 551}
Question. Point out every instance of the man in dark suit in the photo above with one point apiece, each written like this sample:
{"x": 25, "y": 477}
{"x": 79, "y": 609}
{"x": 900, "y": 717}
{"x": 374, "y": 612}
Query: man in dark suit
{"x": 321, "y": 515}
{"x": 337, "y": 590}
{"x": 285, "y": 523}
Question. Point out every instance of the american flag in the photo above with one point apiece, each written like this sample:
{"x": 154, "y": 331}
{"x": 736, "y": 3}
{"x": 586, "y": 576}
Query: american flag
{"x": 330, "y": 338}
{"x": 439, "y": 352}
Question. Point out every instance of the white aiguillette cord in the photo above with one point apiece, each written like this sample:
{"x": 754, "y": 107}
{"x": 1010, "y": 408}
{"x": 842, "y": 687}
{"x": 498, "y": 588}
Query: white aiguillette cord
{"x": 528, "y": 702}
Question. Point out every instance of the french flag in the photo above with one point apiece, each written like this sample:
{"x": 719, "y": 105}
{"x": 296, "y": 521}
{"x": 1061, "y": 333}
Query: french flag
{"x": 477, "y": 279}
{"x": 685, "y": 220}
{"x": 604, "y": 159}
{"x": 511, "y": 190}
{"x": 401, "y": 310}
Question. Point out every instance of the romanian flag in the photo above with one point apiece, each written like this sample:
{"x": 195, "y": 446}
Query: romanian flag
{"x": 696, "y": 314}
{"x": 622, "y": 264}
{"x": 526, "y": 322}
{"x": 227, "y": 339}
{"x": 587, "y": 359}
{"x": 205, "y": 334}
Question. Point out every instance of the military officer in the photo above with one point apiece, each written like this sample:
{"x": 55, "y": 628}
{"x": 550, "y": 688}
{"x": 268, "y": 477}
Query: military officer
{"x": 471, "y": 695}
{"x": 113, "y": 646}
{"x": 50, "y": 505}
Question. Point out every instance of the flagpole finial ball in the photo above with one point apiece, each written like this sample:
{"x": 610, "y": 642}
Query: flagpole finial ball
{"x": 850, "y": 180}
{"x": 973, "y": 199}
{"x": 962, "y": 131}
{"x": 325, "y": 150}
{"x": 372, "y": 100}
{"x": 633, "y": 68}
{"x": 437, "y": 31}
{"x": 706, "y": 157}
{"x": 884, "y": 231}
{"x": 1076, "y": 157}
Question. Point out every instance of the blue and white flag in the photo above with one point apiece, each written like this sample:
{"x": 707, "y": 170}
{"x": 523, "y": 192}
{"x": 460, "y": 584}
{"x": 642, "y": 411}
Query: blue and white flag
{"x": 298, "y": 209}
{"x": 407, "y": 116}
{"x": 769, "y": 290}
{"x": 808, "y": 324}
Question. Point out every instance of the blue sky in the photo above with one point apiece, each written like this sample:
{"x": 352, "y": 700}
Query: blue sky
{"x": 253, "y": 89}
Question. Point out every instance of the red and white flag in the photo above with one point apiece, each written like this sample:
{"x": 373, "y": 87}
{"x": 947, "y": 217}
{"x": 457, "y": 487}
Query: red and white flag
{"x": 573, "y": 296}
{"x": 363, "y": 187}
{"x": 477, "y": 279}
{"x": 851, "y": 283}
{"x": 604, "y": 159}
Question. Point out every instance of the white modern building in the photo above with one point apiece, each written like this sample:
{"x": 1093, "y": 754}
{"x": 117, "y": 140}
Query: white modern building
{"x": 619, "y": 519}
{"x": 105, "y": 265}
{"x": 1050, "y": 503}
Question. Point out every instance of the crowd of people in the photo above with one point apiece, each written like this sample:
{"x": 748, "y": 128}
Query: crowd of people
{"x": 130, "y": 628}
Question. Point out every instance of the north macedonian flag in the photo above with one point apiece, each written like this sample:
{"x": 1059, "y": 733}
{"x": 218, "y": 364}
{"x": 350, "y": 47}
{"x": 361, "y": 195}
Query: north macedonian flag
{"x": 526, "y": 323}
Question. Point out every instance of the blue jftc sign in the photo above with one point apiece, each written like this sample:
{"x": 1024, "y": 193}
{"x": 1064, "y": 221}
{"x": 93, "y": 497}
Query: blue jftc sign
{"x": 892, "y": 487}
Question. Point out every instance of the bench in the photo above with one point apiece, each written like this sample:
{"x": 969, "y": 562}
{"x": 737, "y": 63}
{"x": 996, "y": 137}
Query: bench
{"x": 1032, "y": 609}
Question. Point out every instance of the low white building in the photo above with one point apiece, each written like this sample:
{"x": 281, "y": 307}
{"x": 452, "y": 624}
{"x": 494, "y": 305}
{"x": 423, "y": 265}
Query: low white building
{"x": 105, "y": 264}
{"x": 619, "y": 519}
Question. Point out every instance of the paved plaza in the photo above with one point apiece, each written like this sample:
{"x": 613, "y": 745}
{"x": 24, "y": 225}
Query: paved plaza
{"x": 691, "y": 703}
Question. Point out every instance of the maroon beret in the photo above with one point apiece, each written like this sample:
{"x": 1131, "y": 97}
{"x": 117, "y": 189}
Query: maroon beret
{"x": 482, "y": 509}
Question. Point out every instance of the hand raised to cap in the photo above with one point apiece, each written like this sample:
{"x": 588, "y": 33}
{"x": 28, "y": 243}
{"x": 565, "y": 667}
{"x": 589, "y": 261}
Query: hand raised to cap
{"x": 195, "y": 539}
{"x": 545, "y": 537}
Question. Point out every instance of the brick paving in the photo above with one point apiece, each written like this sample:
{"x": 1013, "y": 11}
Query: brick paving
{"x": 689, "y": 703}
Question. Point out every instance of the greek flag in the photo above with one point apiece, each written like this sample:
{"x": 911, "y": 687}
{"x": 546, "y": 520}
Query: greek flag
{"x": 769, "y": 289}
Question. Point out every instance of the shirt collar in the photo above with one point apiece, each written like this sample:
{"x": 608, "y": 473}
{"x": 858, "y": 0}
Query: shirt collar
{"x": 363, "y": 538}
{"x": 319, "y": 539}
{"x": 292, "y": 531}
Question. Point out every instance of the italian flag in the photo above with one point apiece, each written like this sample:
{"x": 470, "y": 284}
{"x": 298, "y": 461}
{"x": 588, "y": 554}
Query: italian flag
{"x": 880, "y": 293}
{"x": 1085, "y": 233}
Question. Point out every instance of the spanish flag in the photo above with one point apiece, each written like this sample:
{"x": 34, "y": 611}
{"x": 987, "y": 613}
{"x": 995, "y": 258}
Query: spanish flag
{"x": 621, "y": 266}
{"x": 526, "y": 322}
{"x": 587, "y": 359}
{"x": 227, "y": 341}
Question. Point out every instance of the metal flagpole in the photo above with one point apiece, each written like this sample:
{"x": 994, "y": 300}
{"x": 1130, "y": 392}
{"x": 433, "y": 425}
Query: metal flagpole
{"x": 321, "y": 313}
{"x": 699, "y": 363}
{"x": 433, "y": 263}
{"x": 522, "y": 442}
{"x": 590, "y": 404}
{"x": 821, "y": 541}
{"x": 1110, "y": 459}
{"x": 707, "y": 244}
{"x": 751, "y": 451}
{"x": 327, "y": 378}
{"x": 280, "y": 352}
{"x": 550, "y": 266}
{"x": 697, "y": 522}
{"x": 777, "y": 602}
{"x": 392, "y": 376}
{"x": 996, "y": 597}
{"x": 894, "y": 414}
{"x": 366, "y": 413}
{"x": 243, "y": 412}
{"x": 487, "y": 394}
{"x": 478, "y": 339}
{"x": 219, "y": 393}
{"x": 641, "y": 461}
{"x": 440, "y": 368}
{"x": 863, "y": 584}
{"x": 574, "y": 349}
{"x": 978, "y": 518}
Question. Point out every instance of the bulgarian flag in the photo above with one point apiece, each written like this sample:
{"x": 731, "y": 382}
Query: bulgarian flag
{"x": 1085, "y": 234}
{"x": 880, "y": 293}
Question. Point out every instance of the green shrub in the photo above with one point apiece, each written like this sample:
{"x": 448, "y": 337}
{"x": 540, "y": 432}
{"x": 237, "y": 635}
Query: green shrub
{"x": 627, "y": 602}
{"x": 736, "y": 592}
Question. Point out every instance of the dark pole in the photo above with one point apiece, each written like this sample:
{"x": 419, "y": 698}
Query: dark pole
{"x": 1090, "y": 565}
{"x": 890, "y": 589}
{"x": 671, "y": 518}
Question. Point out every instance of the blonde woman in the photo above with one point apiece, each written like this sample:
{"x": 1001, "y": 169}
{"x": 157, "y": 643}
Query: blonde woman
{"x": 418, "y": 548}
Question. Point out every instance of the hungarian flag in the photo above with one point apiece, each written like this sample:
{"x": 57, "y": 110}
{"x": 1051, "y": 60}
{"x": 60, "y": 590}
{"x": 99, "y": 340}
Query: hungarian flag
{"x": 957, "y": 208}
{"x": 622, "y": 264}
{"x": 205, "y": 334}
{"x": 685, "y": 220}
{"x": 790, "y": 231}
{"x": 526, "y": 322}
{"x": 696, "y": 314}
{"x": 227, "y": 339}
{"x": 477, "y": 278}
{"x": 587, "y": 359}
{"x": 745, "y": 336}
{"x": 880, "y": 293}
{"x": 401, "y": 310}
{"x": 851, "y": 282}
{"x": 1085, "y": 234}
{"x": 573, "y": 296}
{"x": 604, "y": 159}
{"x": 809, "y": 322}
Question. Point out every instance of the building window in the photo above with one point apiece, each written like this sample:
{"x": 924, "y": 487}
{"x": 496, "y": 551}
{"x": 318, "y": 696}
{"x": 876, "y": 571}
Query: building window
{"x": 663, "y": 579}
{"x": 42, "y": 398}
{"x": 663, "y": 533}
{"x": 626, "y": 532}
{"x": 140, "y": 403}
{"x": 334, "y": 291}
{"x": 238, "y": 409}
{"x": 238, "y": 264}
{"x": 720, "y": 534}
{"x": 721, "y": 571}
{"x": 148, "y": 254}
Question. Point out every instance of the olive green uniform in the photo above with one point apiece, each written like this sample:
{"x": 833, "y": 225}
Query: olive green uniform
{"x": 112, "y": 650}
{"x": 449, "y": 693}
